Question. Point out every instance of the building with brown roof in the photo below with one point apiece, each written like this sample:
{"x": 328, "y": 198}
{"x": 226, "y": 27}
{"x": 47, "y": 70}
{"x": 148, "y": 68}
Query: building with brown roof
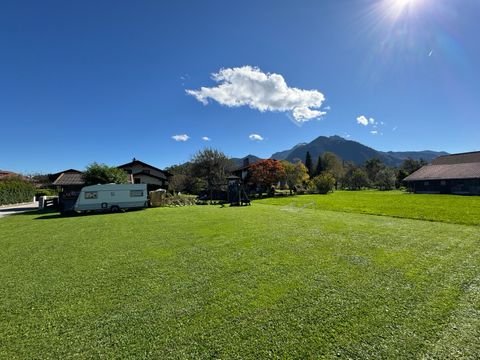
{"x": 449, "y": 174}
{"x": 69, "y": 183}
{"x": 70, "y": 177}
{"x": 143, "y": 173}
{"x": 5, "y": 174}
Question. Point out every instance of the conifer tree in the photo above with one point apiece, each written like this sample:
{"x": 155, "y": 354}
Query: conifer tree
{"x": 319, "y": 167}
{"x": 308, "y": 163}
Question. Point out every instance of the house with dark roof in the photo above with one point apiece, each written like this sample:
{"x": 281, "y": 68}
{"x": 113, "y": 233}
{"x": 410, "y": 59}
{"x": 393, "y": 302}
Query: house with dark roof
{"x": 69, "y": 183}
{"x": 70, "y": 177}
{"x": 449, "y": 174}
{"x": 143, "y": 173}
{"x": 243, "y": 171}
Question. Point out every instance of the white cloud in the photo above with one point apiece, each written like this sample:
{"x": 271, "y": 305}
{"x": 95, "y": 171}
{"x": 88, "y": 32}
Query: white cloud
{"x": 362, "y": 120}
{"x": 255, "y": 137}
{"x": 249, "y": 86}
{"x": 374, "y": 132}
{"x": 182, "y": 137}
{"x": 305, "y": 114}
{"x": 206, "y": 138}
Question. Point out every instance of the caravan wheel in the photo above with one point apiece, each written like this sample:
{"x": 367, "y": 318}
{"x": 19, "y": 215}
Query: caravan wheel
{"x": 114, "y": 209}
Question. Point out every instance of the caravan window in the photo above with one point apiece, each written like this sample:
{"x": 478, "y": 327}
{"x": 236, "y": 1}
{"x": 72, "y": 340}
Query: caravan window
{"x": 136, "y": 193}
{"x": 90, "y": 194}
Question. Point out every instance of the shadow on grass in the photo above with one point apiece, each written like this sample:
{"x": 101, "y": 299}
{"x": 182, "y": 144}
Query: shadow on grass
{"x": 26, "y": 212}
{"x": 57, "y": 215}
{"x": 42, "y": 214}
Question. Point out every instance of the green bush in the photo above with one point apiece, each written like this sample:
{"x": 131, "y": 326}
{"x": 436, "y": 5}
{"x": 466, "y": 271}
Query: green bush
{"x": 385, "y": 179}
{"x": 14, "y": 190}
{"x": 159, "y": 199}
{"x": 104, "y": 174}
{"x": 324, "y": 183}
{"x": 310, "y": 187}
{"x": 45, "y": 192}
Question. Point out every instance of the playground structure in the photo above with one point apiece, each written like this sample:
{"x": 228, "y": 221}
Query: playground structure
{"x": 236, "y": 193}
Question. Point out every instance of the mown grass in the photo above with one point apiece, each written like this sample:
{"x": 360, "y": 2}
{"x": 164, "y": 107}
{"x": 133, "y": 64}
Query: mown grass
{"x": 445, "y": 208}
{"x": 237, "y": 283}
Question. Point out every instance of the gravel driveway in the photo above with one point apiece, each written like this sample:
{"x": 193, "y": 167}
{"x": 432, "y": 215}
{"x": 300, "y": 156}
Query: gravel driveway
{"x": 16, "y": 209}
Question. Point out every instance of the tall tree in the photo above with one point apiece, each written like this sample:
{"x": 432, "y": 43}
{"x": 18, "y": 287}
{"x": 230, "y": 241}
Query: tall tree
{"x": 103, "y": 174}
{"x": 372, "y": 167}
{"x": 212, "y": 166}
{"x": 385, "y": 179}
{"x": 355, "y": 178}
{"x": 333, "y": 164}
{"x": 308, "y": 163}
{"x": 183, "y": 179}
{"x": 295, "y": 174}
{"x": 319, "y": 167}
{"x": 410, "y": 165}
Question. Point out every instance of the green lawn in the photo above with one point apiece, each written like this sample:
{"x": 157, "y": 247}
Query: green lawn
{"x": 265, "y": 281}
{"x": 445, "y": 208}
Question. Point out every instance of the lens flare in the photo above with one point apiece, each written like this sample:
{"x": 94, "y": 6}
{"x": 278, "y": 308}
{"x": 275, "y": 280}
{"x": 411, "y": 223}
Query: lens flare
{"x": 397, "y": 8}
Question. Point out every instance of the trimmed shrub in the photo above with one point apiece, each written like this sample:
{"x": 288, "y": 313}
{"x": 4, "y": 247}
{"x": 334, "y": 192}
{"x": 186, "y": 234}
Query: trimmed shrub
{"x": 324, "y": 183}
{"x": 15, "y": 190}
{"x": 160, "y": 199}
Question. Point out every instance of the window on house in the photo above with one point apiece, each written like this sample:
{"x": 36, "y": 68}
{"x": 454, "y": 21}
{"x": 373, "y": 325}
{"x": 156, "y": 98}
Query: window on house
{"x": 136, "y": 193}
{"x": 90, "y": 194}
{"x": 136, "y": 181}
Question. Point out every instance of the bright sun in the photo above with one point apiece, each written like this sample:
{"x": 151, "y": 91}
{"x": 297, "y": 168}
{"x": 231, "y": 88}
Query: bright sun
{"x": 398, "y": 7}
{"x": 402, "y": 4}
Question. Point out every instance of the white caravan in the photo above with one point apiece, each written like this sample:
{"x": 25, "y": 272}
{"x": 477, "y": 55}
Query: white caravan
{"x": 112, "y": 197}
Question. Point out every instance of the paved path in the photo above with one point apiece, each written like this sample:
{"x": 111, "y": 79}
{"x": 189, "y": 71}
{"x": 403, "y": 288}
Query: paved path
{"x": 16, "y": 209}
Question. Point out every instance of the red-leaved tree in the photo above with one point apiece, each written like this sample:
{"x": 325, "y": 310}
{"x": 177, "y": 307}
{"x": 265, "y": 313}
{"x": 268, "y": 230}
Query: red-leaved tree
{"x": 266, "y": 173}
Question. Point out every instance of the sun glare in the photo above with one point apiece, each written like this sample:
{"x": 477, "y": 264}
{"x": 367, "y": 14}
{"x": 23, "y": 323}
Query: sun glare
{"x": 403, "y": 4}
{"x": 398, "y": 8}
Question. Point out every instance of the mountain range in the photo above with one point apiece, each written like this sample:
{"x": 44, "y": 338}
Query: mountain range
{"x": 347, "y": 150}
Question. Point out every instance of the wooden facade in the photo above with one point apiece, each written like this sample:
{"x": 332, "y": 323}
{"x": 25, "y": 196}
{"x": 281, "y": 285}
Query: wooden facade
{"x": 143, "y": 173}
{"x": 450, "y": 174}
{"x": 458, "y": 186}
{"x": 69, "y": 183}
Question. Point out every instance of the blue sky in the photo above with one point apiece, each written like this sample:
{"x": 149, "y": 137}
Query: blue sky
{"x": 106, "y": 81}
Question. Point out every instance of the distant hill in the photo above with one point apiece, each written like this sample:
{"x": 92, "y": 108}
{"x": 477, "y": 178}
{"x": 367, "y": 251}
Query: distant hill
{"x": 350, "y": 150}
{"x": 426, "y": 155}
{"x": 282, "y": 155}
{"x": 238, "y": 162}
